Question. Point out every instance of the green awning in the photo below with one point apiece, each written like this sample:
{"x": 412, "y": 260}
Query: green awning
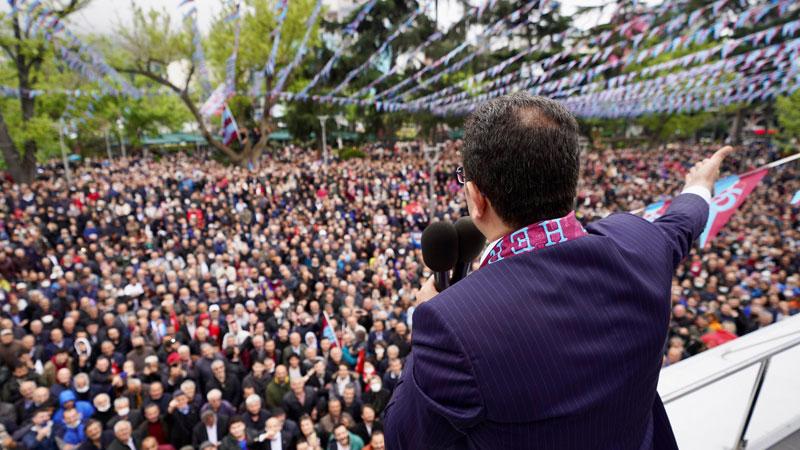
{"x": 174, "y": 139}
{"x": 280, "y": 135}
{"x": 457, "y": 133}
{"x": 345, "y": 135}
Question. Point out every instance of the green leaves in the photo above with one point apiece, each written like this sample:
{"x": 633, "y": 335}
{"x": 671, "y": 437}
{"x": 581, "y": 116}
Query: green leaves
{"x": 788, "y": 110}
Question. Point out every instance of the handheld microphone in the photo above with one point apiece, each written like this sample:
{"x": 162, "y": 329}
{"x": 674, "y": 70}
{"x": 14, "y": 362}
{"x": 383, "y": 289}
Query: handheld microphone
{"x": 440, "y": 251}
{"x": 470, "y": 244}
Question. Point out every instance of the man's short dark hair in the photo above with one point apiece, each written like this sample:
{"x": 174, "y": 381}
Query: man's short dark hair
{"x": 522, "y": 152}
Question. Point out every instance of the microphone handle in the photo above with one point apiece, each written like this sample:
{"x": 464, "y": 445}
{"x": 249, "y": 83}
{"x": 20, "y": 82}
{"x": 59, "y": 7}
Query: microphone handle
{"x": 442, "y": 280}
{"x": 459, "y": 272}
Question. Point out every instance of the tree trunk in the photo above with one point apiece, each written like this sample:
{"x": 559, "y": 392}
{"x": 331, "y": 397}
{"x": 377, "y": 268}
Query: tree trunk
{"x": 10, "y": 153}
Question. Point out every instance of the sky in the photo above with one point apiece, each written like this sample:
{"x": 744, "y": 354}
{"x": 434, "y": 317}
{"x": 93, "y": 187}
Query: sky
{"x": 104, "y": 15}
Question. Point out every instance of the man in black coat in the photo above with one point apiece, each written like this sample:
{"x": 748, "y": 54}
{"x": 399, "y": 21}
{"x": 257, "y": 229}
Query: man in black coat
{"x": 255, "y": 417}
{"x": 229, "y": 385}
{"x": 211, "y": 426}
{"x": 123, "y": 439}
{"x": 181, "y": 417}
{"x": 300, "y": 400}
{"x": 369, "y": 423}
{"x": 237, "y": 433}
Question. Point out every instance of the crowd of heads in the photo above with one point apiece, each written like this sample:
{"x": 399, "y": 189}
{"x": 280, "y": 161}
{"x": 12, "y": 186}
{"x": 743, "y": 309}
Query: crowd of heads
{"x": 744, "y": 279}
{"x": 180, "y": 302}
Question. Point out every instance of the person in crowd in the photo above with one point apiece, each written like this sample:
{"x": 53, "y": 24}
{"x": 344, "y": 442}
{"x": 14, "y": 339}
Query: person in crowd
{"x": 41, "y": 434}
{"x": 73, "y": 431}
{"x": 343, "y": 439}
{"x": 238, "y": 438}
{"x": 255, "y": 417}
{"x": 181, "y": 418}
{"x": 154, "y": 425}
{"x": 336, "y": 416}
{"x": 123, "y": 437}
{"x": 218, "y": 405}
{"x": 376, "y": 442}
{"x": 94, "y": 436}
{"x": 223, "y": 381}
{"x": 278, "y": 387}
{"x": 369, "y": 423}
{"x": 301, "y": 400}
{"x": 212, "y": 429}
{"x": 311, "y": 435}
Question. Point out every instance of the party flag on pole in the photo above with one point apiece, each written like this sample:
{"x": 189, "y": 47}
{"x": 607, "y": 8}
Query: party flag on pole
{"x": 230, "y": 131}
{"x": 730, "y": 194}
{"x": 328, "y": 331}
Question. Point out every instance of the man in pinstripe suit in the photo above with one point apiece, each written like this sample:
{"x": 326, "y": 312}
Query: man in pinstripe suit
{"x": 556, "y": 341}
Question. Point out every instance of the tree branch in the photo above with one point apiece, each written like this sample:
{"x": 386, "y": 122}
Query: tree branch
{"x": 7, "y": 49}
{"x": 189, "y": 78}
{"x": 73, "y": 6}
{"x": 151, "y": 75}
{"x": 187, "y": 100}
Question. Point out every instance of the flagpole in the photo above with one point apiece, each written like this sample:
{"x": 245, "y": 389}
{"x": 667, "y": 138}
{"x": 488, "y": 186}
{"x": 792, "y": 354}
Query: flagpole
{"x": 773, "y": 164}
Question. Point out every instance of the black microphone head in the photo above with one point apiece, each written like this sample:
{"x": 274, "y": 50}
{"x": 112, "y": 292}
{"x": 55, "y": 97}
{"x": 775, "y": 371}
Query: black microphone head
{"x": 470, "y": 240}
{"x": 440, "y": 246}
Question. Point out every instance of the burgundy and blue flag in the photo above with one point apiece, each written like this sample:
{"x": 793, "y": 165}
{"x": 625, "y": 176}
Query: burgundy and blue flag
{"x": 730, "y": 194}
{"x": 230, "y": 131}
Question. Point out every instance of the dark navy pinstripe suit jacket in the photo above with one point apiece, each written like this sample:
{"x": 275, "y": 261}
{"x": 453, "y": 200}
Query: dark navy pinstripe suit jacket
{"x": 554, "y": 349}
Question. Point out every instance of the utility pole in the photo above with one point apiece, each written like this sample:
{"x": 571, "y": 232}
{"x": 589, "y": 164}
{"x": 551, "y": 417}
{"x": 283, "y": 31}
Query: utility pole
{"x": 432, "y": 154}
{"x": 121, "y": 128}
{"x": 322, "y": 120}
{"x": 67, "y": 172}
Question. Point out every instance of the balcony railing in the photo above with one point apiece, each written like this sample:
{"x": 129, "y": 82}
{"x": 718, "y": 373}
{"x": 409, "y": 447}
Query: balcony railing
{"x": 742, "y": 394}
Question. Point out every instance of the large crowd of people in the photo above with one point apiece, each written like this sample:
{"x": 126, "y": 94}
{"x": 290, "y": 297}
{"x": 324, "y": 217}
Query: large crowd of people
{"x": 179, "y": 302}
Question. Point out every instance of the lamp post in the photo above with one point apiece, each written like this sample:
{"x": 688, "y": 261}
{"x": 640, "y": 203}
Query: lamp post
{"x": 121, "y": 128}
{"x": 322, "y": 120}
{"x": 108, "y": 147}
{"x": 432, "y": 154}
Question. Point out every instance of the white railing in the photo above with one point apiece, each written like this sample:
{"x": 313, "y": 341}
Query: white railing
{"x": 745, "y": 393}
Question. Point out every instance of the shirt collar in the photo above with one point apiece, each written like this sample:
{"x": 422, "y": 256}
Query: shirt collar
{"x": 489, "y": 249}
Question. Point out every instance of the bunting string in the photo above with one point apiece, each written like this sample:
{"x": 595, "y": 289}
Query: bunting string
{"x": 612, "y": 62}
{"x": 283, "y": 75}
{"x": 230, "y": 65}
{"x": 395, "y": 34}
{"x": 503, "y": 84}
{"x": 350, "y": 30}
{"x": 500, "y": 26}
{"x": 198, "y": 55}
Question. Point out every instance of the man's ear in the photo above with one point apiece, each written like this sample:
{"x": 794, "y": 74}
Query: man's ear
{"x": 478, "y": 200}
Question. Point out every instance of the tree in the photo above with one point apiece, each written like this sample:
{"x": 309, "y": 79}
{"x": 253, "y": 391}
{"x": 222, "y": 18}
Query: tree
{"x": 152, "y": 43}
{"x": 28, "y": 53}
{"x": 788, "y": 111}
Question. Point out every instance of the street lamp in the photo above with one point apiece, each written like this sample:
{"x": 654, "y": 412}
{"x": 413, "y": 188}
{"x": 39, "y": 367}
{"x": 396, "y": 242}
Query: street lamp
{"x": 121, "y": 128}
{"x": 432, "y": 154}
{"x": 67, "y": 173}
{"x": 322, "y": 120}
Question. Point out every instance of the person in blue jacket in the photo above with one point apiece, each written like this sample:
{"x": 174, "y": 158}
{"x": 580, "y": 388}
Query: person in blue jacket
{"x": 68, "y": 400}
{"x": 72, "y": 431}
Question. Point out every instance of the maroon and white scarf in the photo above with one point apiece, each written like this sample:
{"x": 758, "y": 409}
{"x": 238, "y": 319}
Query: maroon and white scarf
{"x": 535, "y": 237}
